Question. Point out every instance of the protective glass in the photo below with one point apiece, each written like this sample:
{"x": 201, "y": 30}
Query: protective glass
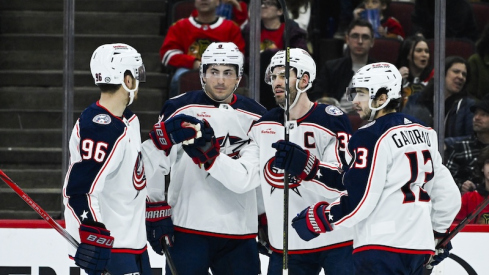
{"x": 269, "y": 3}
{"x": 355, "y": 94}
{"x": 141, "y": 74}
{"x": 270, "y": 77}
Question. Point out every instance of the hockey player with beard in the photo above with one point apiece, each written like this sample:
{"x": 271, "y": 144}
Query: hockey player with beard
{"x": 213, "y": 227}
{"x": 323, "y": 131}
{"x": 401, "y": 199}
{"x": 106, "y": 177}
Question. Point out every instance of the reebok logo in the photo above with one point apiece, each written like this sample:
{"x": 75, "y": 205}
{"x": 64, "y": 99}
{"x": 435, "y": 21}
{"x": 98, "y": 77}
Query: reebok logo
{"x": 203, "y": 114}
{"x": 268, "y": 131}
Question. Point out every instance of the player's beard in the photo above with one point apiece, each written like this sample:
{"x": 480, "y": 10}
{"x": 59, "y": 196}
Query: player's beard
{"x": 366, "y": 114}
{"x": 281, "y": 100}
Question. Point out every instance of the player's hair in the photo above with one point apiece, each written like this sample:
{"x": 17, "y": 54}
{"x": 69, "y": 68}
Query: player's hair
{"x": 360, "y": 23}
{"x": 236, "y": 68}
{"x": 393, "y": 104}
{"x": 112, "y": 88}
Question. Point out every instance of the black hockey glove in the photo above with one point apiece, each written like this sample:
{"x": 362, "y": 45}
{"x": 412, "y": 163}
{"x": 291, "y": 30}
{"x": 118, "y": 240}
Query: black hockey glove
{"x": 159, "y": 226}
{"x": 312, "y": 221}
{"x": 441, "y": 253}
{"x": 93, "y": 253}
{"x": 296, "y": 161}
{"x": 263, "y": 242}
{"x": 174, "y": 130}
{"x": 207, "y": 153}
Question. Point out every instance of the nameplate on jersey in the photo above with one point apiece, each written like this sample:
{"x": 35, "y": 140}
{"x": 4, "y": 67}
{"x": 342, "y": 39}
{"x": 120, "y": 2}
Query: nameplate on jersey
{"x": 333, "y": 110}
{"x": 103, "y": 119}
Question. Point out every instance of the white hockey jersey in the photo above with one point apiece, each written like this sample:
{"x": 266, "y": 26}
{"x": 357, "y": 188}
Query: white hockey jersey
{"x": 399, "y": 191}
{"x": 324, "y": 131}
{"x": 200, "y": 203}
{"x": 105, "y": 181}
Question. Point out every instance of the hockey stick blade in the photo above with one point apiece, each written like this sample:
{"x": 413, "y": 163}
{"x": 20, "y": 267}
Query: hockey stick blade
{"x": 463, "y": 223}
{"x": 40, "y": 211}
{"x": 169, "y": 260}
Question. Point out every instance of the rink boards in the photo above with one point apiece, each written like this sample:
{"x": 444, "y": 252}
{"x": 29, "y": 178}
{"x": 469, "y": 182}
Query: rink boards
{"x": 32, "y": 247}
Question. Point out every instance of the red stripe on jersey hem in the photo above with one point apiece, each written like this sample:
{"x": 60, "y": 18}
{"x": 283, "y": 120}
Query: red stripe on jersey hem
{"x": 129, "y": 250}
{"x": 218, "y": 235}
{"x": 392, "y": 249}
{"x": 319, "y": 249}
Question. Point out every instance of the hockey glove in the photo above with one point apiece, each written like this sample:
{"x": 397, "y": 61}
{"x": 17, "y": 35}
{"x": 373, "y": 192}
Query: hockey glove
{"x": 159, "y": 226}
{"x": 440, "y": 252}
{"x": 296, "y": 161}
{"x": 172, "y": 131}
{"x": 312, "y": 221}
{"x": 263, "y": 242}
{"x": 204, "y": 154}
{"x": 93, "y": 253}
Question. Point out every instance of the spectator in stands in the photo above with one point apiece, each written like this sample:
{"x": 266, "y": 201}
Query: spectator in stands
{"x": 300, "y": 12}
{"x": 413, "y": 64}
{"x": 472, "y": 199}
{"x": 234, "y": 10}
{"x": 458, "y": 118}
{"x": 336, "y": 74}
{"x": 386, "y": 26}
{"x": 462, "y": 154}
{"x": 187, "y": 39}
{"x": 459, "y": 22}
{"x": 272, "y": 39}
{"x": 479, "y": 67}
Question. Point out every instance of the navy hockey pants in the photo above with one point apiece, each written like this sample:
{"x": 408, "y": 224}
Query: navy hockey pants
{"x": 194, "y": 254}
{"x": 126, "y": 263}
{"x": 382, "y": 262}
{"x": 336, "y": 261}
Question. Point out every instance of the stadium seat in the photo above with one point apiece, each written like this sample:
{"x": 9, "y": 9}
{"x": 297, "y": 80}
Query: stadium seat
{"x": 454, "y": 46}
{"x": 385, "y": 49}
{"x": 190, "y": 81}
{"x": 403, "y": 11}
{"x": 180, "y": 9}
{"x": 481, "y": 14}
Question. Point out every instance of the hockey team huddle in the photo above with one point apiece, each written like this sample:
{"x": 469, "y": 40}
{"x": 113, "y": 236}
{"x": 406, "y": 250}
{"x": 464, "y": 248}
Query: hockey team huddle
{"x": 382, "y": 196}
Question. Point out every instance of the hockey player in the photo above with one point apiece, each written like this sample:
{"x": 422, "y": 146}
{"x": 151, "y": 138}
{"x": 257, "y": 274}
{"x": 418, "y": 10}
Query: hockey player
{"x": 105, "y": 187}
{"x": 400, "y": 198}
{"x": 213, "y": 227}
{"x": 324, "y": 131}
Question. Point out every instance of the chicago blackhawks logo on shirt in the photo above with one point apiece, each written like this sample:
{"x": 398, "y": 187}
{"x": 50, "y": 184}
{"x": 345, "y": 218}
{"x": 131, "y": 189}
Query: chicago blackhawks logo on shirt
{"x": 275, "y": 177}
{"x": 138, "y": 176}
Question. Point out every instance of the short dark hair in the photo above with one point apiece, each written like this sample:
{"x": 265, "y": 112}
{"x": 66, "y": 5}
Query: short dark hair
{"x": 112, "y": 88}
{"x": 360, "y": 23}
{"x": 393, "y": 103}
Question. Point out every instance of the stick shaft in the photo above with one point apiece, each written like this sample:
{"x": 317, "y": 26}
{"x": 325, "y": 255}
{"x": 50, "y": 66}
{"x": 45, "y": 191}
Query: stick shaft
{"x": 38, "y": 209}
{"x": 169, "y": 259}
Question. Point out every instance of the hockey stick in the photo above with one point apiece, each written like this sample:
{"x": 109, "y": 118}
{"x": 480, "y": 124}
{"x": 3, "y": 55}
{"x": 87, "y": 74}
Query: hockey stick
{"x": 286, "y": 138}
{"x": 463, "y": 223}
{"x": 169, "y": 260}
{"x": 40, "y": 211}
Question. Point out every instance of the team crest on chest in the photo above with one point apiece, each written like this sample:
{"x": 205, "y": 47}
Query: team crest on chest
{"x": 275, "y": 177}
{"x": 103, "y": 119}
{"x": 138, "y": 176}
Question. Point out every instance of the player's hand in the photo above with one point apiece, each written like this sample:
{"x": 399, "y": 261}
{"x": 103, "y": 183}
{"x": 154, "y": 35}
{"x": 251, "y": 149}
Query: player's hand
{"x": 312, "y": 221}
{"x": 175, "y": 130}
{"x": 263, "y": 242}
{"x": 93, "y": 253}
{"x": 207, "y": 153}
{"x": 296, "y": 161}
{"x": 441, "y": 253}
{"x": 159, "y": 226}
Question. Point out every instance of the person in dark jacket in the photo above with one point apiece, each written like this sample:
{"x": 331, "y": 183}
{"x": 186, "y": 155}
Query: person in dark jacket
{"x": 335, "y": 75}
{"x": 458, "y": 117}
{"x": 272, "y": 39}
